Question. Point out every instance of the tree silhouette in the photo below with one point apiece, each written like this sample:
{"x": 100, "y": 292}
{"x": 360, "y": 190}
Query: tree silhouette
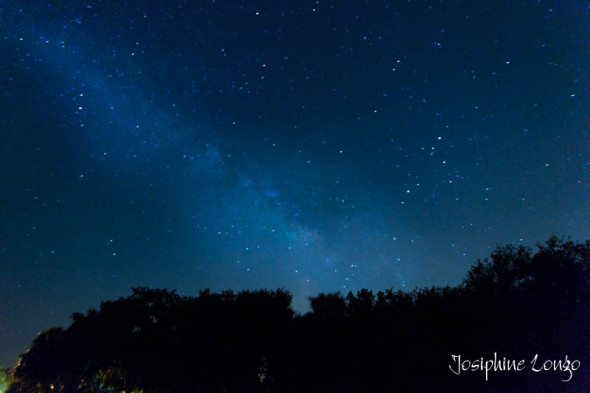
{"x": 518, "y": 303}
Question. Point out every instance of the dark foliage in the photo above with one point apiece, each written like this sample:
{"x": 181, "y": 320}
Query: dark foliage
{"x": 517, "y": 304}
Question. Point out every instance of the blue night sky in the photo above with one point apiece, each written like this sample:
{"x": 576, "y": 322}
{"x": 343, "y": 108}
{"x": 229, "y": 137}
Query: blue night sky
{"x": 310, "y": 145}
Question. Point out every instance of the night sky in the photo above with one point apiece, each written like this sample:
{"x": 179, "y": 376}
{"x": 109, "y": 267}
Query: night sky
{"x": 309, "y": 145}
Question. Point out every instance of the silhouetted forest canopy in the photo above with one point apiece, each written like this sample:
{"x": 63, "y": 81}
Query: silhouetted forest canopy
{"x": 518, "y": 304}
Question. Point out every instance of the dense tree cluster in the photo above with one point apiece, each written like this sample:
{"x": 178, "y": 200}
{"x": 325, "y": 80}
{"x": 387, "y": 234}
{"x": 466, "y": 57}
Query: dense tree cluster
{"x": 518, "y": 304}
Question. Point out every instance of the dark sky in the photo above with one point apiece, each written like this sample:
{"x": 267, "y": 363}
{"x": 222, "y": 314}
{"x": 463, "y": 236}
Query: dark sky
{"x": 310, "y": 145}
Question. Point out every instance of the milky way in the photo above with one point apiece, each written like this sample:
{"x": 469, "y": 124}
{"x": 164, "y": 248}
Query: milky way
{"x": 309, "y": 145}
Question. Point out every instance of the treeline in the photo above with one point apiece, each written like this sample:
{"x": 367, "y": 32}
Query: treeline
{"x": 518, "y": 304}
